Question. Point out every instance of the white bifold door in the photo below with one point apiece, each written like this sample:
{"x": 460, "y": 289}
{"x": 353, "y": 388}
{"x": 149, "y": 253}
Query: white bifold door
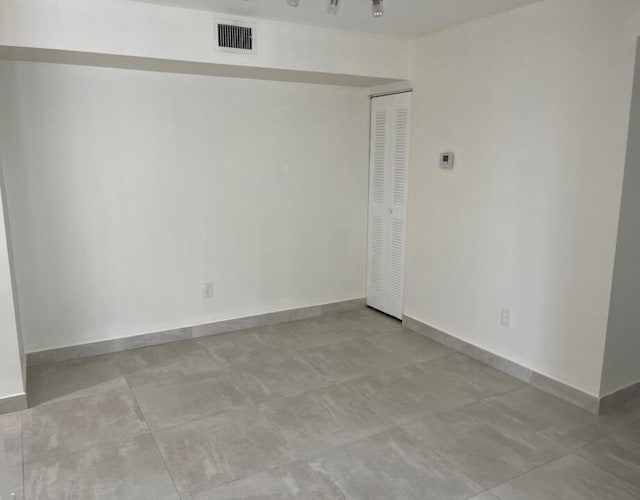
{"x": 388, "y": 186}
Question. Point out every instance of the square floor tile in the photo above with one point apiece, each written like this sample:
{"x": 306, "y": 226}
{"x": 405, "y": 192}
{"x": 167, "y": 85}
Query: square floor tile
{"x": 215, "y": 450}
{"x": 392, "y": 465}
{"x": 565, "y": 423}
{"x": 71, "y": 425}
{"x": 489, "y": 447}
{"x": 131, "y": 471}
{"x": 72, "y": 379}
{"x": 349, "y": 359}
{"x": 568, "y": 478}
{"x": 165, "y": 405}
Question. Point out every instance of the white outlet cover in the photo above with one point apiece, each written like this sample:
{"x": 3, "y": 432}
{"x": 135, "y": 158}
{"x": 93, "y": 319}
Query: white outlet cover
{"x": 446, "y": 160}
{"x": 207, "y": 290}
{"x": 505, "y": 318}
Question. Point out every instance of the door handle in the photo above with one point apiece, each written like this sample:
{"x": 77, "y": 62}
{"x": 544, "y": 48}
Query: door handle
{"x": 390, "y": 211}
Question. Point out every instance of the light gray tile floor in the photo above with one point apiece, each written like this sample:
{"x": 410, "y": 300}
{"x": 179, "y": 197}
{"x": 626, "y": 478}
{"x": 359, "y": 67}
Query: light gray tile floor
{"x": 346, "y": 407}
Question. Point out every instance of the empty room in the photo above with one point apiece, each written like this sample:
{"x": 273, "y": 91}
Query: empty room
{"x": 320, "y": 249}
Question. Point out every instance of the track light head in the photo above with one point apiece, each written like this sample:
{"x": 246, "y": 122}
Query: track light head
{"x": 293, "y": 3}
{"x": 333, "y": 6}
{"x": 376, "y": 8}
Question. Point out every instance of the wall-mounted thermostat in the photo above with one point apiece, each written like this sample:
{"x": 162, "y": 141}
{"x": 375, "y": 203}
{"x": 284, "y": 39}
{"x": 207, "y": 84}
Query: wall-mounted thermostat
{"x": 446, "y": 160}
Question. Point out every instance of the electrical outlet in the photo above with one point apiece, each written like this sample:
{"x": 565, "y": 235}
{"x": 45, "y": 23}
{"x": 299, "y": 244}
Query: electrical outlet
{"x": 207, "y": 290}
{"x": 505, "y": 317}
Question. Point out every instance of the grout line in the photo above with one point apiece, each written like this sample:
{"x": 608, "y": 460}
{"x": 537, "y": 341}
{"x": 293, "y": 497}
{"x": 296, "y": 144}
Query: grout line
{"x": 572, "y": 452}
{"x": 601, "y": 467}
{"x": 248, "y": 406}
{"x": 529, "y": 471}
{"x": 135, "y": 399}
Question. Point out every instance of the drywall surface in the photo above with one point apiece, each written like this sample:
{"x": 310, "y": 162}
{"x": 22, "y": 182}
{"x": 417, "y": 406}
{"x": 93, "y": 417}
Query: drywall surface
{"x": 11, "y": 358}
{"x": 622, "y": 352}
{"x": 535, "y": 105}
{"x": 136, "y": 29}
{"x": 128, "y": 190}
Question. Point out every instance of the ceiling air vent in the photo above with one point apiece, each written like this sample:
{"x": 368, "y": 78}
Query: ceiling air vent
{"x": 236, "y": 37}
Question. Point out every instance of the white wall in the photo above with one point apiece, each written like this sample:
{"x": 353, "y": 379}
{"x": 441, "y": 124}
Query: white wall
{"x": 11, "y": 368}
{"x": 124, "y": 28}
{"x": 622, "y": 353}
{"x": 127, "y": 190}
{"x": 535, "y": 104}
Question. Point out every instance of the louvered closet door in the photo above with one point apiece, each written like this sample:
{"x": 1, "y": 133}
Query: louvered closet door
{"x": 390, "y": 120}
{"x": 378, "y": 201}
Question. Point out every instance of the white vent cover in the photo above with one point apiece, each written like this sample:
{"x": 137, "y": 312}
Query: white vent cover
{"x": 234, "y": 36}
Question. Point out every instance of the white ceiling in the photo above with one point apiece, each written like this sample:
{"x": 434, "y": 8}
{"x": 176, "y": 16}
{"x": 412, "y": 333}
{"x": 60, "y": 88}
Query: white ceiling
{"x": 402, "y": 18}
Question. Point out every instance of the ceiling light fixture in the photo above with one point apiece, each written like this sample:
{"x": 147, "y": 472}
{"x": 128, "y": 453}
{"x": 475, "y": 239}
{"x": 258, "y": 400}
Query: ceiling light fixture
{"x": 334, "y": 6}
{"x": 377, "y": 8}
